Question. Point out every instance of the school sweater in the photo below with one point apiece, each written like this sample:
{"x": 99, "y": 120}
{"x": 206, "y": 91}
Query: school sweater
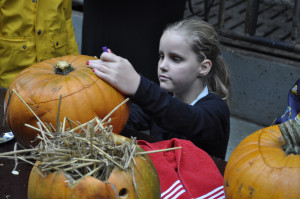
{"x": 206, "y": 123}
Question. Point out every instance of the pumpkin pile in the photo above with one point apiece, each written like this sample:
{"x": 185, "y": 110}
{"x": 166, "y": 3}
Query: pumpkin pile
{"x": 83, "y": 156}
{"x": 84, "y": 97}
{"x": 266, "y": 164}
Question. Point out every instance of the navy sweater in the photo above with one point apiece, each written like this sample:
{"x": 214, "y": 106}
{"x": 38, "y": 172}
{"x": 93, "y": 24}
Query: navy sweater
{"x": 206, "y": 123}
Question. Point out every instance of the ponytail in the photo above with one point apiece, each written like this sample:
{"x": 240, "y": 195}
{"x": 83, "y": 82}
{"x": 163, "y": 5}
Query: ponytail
{"x": 218, "y": 80}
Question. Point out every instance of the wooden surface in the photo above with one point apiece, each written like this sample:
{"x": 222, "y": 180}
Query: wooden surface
{"x": 15, "y": 186}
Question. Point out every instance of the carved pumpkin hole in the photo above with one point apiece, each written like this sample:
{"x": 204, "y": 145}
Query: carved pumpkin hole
{"x": 123, "y": 193}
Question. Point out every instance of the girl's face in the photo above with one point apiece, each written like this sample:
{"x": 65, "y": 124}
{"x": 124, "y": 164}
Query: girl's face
{"x": 178, "y": 67}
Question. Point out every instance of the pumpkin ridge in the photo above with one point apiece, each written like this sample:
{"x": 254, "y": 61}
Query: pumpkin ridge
{"x": 20, "y": 87}
{"x": 273, "y": 165}
{"x": 93, "y": 81}
{"x": 57, "y": 98}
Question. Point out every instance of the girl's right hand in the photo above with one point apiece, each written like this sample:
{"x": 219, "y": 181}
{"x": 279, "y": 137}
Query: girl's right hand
{"x": 116, "y": 71}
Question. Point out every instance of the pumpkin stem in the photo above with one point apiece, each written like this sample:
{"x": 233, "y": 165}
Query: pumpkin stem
{"x": 290, "y": 131}
{"x": 63, "y": 68}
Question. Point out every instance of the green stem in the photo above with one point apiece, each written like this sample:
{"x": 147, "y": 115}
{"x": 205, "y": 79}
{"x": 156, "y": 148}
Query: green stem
{"x": 291, "y": 133}
{"x": 63, "y": 68}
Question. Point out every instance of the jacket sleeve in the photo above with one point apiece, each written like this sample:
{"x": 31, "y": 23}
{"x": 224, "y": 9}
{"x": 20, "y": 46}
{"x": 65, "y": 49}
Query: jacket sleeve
{"x": 175, "y": 116}
{"x": 138, "y": 120}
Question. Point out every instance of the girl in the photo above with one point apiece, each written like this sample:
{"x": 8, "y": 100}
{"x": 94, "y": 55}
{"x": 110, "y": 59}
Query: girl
{"x": 191, "y": 68}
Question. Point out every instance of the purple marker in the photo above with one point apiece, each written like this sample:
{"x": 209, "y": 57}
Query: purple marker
{"x": 104, "y": 48}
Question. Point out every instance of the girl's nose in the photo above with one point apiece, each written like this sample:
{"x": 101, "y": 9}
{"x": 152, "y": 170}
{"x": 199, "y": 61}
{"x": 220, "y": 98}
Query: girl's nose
{"x": 162, "y": 64}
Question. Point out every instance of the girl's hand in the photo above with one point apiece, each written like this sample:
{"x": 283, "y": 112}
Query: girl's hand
{"x": 116, "y": 71}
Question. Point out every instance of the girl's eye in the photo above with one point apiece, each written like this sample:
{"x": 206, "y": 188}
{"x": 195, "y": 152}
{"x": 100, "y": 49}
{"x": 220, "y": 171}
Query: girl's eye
{"x": 176, "y": 59}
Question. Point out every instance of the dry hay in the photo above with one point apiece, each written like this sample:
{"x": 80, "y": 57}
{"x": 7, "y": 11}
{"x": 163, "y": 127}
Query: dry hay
{"x": 88, "y": 149}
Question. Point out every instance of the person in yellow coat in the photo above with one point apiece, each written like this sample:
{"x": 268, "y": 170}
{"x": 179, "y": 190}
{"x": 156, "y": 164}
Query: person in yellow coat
{"x": 32, "y": 31}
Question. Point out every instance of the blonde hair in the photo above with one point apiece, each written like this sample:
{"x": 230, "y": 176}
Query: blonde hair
{"x": 205, "y": 44}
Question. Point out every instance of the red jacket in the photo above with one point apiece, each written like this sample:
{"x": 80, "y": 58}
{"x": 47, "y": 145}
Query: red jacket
{"x": 185, "y": 173}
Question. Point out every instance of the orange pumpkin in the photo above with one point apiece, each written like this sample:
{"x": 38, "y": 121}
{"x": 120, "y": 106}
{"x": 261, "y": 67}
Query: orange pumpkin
{"x": 120, "y": 183}
{"x": 266, "y": 164}
{"x": 84, "y": 96}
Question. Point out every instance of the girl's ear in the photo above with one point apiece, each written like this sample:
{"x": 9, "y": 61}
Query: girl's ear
{"x": 204, "y": 68}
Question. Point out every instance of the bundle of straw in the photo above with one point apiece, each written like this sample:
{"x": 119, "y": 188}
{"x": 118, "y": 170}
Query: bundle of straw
{"x": 89, "y": 149}
{"x": 93, "y": 151}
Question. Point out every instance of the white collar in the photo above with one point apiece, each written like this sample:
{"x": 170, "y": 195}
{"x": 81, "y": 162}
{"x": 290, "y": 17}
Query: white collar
{"x": 202, "y": 94}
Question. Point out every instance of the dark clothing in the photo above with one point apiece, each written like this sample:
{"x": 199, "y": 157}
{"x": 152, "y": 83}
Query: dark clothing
{"x": 206, "y": 123}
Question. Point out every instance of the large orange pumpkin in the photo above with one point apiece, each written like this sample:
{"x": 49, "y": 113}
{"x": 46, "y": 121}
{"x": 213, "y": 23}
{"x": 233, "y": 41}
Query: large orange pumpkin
{"x": 84, "y": 96}
{"x": 119, "y": 185}
{"x": 266, "y": 164}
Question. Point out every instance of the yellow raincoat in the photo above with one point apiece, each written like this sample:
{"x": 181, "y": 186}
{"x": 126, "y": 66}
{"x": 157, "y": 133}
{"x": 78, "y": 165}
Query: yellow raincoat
{"x": 32, "y": 31}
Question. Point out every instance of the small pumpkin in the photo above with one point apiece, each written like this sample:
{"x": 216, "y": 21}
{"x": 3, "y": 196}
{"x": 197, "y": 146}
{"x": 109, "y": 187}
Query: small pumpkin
{"x": 84, "y": 96}
{"x": 266, "y": 164}
{"x": 119, "y": 185}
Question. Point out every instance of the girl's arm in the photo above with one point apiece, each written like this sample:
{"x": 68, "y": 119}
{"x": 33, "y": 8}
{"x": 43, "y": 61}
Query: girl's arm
{"x": 178, "y": 117}
{"x": 138, "y": 120}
